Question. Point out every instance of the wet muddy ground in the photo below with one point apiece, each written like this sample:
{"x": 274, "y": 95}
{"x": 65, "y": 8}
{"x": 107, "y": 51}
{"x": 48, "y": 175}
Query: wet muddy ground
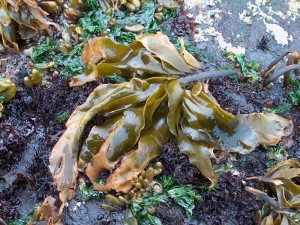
{"x": 31, "y": 126}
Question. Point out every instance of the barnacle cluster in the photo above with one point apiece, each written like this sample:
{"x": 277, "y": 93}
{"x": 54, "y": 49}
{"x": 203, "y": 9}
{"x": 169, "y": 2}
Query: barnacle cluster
{"x": 143, "y": 185}
{"x": 144, "y": 182}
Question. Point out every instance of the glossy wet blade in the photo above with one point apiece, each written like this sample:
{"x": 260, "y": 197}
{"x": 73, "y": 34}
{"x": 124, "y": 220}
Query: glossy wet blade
{"x": 199, "y": 155}
{"x": 188, "y": 56}
{"x": 206, "y": 126}
{"x": 119, "y": 142}
{"x": 175, "y": 94}
{"x": 153, "y": 103}
{"x": 269, "y": 127}
{"x": 124, "y": 136}
{"x": 160, "y": 45}
{"x": 103, "y": 48}
{"x": 63, "y": 158}
{"x": 149, "y": 147}
{"x": 139, "y": 60}
{"x": 96, "y": 138}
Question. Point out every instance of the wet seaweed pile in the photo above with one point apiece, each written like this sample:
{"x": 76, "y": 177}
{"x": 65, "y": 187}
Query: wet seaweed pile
{"x": 100, "y": 67}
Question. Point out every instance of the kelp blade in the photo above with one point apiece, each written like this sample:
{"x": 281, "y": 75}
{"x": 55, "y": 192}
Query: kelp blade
{"x": 151, "y": 55}
{"x": 125, "y": 135}
{"x": 149, "y": 147}
{"x": 119, "y": 142}
{"x": 105, "y": 98}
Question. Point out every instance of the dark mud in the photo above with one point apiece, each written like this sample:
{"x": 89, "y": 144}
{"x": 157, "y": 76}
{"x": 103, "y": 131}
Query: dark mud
{"x": 30, "y": 127}
{"x": 91, "y": 212}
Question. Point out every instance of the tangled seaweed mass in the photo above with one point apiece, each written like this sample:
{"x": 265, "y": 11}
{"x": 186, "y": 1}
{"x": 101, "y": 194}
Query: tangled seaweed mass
{"x": 281, "y": 181}
{"x": 142, "y": 115}
{"x": 24, "y": 18}
{"x": 163, "y": 100}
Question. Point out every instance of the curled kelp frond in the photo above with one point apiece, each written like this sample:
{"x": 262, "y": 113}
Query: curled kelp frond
{"x": 46, "y": 212}
{"x": 149, "y": 147}
{"x": 282, "y": 181}
{"x": 141, "y": 115}
{"x": 188, "y": 57}
{"x": 151, "y": 54}
{"x": 24, "y": 18}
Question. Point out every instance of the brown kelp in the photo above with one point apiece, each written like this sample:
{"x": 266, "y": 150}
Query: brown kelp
{"x": 23, "y": 18}
{"x": 51, "y": 6}
{"x": 141, "y": 116}
{"x": 151, "y": 55}
{"x": 280, "y": 190}
{"x": 73, "y": 10}
{"x": 46, "y": 213}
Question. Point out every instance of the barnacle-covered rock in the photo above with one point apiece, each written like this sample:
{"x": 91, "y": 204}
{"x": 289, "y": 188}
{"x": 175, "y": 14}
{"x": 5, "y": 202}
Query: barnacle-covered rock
{"x": 22, "y": 18}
